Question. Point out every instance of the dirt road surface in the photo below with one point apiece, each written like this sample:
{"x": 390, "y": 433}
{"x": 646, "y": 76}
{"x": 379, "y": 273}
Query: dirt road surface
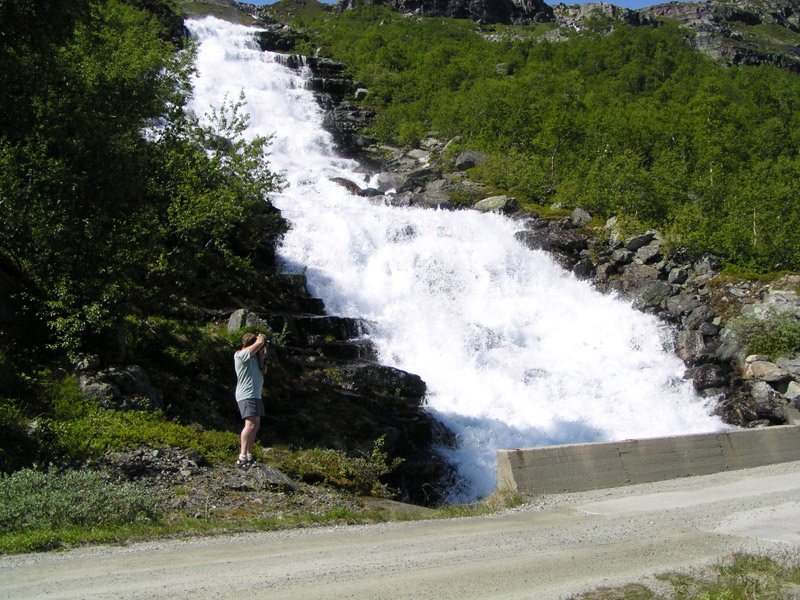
{"x": 558, "y": 546}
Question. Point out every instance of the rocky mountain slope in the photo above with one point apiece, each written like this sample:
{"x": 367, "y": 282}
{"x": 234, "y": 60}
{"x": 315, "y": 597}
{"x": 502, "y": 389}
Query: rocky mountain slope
{"x": 733, "y": 32}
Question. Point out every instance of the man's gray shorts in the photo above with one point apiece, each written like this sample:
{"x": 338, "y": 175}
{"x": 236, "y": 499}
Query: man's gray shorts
{"x": 251, "y": 407}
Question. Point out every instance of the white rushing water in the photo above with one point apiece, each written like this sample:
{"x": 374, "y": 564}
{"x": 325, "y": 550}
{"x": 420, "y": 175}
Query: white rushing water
{"x": 515, "y": 351}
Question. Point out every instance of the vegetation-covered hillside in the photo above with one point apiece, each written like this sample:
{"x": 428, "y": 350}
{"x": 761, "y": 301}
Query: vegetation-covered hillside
{"x": 632, "y": 123}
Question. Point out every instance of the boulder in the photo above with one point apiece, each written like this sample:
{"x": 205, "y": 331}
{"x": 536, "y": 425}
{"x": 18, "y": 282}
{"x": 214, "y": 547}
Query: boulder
{"x": 579, "y": 218}
{"x": 792, "y": 392}
{"x": 621, "y": 257}
{"x": 707, "y": 265}
{"x": 709, "y": 376}
{"x": 636, "y": 277}
{"x": 350, "y": 186}
{"x": 121, "y": 388}
{"x": 697, "y": 317}
{"x": 584, "y": 269}
{"x": 677, "y": 276}
{"x": 419, "y": 179}
{"x": 244, "y": 318}
{"x": 690, "y": 344}
{"x": 371, "y": 376}
{"x": 501, "y": 204}
{"x": 469, "y": 159}
{"x": 385, "y": 182}
{"x": 764, "y": 370}
{"x": 654, "y": 295}
{"x": 649, "y": 253}
{"x": 677, "y": 306}
{"x": 635, "y": 242}
{"x": 553, "y": 239}
{"x": 792, "y": 365}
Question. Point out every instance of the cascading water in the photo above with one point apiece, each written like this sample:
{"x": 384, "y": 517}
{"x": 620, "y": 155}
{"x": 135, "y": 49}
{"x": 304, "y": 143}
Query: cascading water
{"x": 515, "y": 351}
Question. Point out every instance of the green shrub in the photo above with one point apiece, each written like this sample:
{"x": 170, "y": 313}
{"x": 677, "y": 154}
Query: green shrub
{"x": 17, "y": 449}
{"x": 359, "y": 475}
{"x": 32, "y": 499}
{"x": 777, "y": 335}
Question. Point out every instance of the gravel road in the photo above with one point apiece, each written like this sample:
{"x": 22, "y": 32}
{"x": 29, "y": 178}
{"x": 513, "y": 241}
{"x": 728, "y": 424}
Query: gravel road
{"x": 555, "y": 547}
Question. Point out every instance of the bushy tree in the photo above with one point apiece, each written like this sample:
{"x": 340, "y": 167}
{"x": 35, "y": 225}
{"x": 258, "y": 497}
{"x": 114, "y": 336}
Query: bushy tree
{"x": 113, "y": 199}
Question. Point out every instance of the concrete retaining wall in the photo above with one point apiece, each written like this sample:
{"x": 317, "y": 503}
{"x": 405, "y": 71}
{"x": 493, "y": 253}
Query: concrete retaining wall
{"x": 580, "y": 467}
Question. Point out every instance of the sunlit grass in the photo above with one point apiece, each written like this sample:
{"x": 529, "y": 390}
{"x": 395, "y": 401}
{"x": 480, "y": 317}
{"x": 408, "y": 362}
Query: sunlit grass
{"x": 738, "y": 577}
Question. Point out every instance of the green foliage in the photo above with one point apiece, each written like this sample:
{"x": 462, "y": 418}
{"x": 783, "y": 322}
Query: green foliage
{"x": 50, "y": 500}
{"x": 775, "y": 336}
{"x": 359, "y": 475}
{"x": 176, "y": 351}
{"x": 62, "y": 427}
{"x": 17, "y": 450}
{"x": 98, "y": 156}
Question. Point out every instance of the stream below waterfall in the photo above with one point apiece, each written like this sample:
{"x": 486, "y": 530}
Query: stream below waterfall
{"x": 515, "y": 351}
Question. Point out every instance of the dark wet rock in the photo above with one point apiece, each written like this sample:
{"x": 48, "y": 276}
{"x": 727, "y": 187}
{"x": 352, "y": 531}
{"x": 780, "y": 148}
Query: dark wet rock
{"x": 709, "y": 376}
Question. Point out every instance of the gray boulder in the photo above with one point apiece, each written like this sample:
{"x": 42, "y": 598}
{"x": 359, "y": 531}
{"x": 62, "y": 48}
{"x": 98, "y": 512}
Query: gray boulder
{"x": 579, "y": 218}
{"x": 792, "y": 365}
{"x": 389, "y": 181}
{"x": 690, "y": 344}
{"x": 709, "y": 377}
{"x": 469, "y": 159}
{"x": 637, "y": 241}
{"x": 502, "y": 204}
{"x": 244, "y": 318}
{"x": 121, "y": 388}
{"x": 764, "y": 370}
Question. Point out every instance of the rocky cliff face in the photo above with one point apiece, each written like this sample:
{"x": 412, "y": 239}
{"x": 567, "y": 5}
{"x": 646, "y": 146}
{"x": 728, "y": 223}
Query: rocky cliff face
{"x": 746, "y": 32}
{"x": 483, "y": 11}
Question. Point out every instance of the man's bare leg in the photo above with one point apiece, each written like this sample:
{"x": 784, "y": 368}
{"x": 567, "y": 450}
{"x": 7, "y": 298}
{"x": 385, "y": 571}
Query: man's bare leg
{"x": 248, "y": 436}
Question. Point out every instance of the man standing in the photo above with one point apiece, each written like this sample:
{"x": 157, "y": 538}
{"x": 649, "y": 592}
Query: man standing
{"x": 251, "y": 365}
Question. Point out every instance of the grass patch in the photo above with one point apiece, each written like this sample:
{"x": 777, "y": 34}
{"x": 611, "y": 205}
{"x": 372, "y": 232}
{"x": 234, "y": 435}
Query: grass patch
{"x": 95, "y": 431}
{"x": 40, "y": 510}
{"x": 739, "y": 577}
{"x": 500, "y": 500}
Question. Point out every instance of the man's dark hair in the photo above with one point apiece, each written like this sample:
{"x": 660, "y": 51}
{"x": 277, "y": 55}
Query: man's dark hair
{"x": 248, "y": 339}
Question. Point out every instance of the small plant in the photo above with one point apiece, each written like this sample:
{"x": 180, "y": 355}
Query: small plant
{"x": 359, "y": 475}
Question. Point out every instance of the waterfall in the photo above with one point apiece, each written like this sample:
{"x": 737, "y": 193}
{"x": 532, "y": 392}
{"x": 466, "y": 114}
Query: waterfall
{"x": 515, "y": 351}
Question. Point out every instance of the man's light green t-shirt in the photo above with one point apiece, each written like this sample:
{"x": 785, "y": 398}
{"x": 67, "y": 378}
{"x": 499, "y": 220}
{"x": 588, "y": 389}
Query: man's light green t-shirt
{"x": 249, "y": 379}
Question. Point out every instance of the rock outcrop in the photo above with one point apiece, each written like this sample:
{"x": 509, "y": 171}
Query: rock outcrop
{"x": 336, "y": 395}
{"x": 345, "y": 119}
{"x": 482, "y": 11}
{"x": 743, "y": 32}
{"x": 725, "y": 31}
